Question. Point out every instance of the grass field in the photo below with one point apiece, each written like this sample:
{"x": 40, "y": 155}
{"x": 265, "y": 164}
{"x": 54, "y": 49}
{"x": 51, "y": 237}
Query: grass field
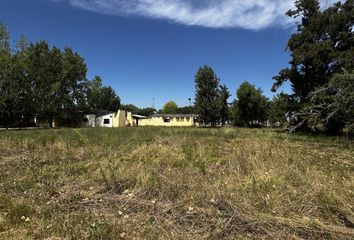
{"x": 174, "y": 183}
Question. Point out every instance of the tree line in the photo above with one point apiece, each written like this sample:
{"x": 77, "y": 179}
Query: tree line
{"x": 36, "y": 79}
{"x": 321, "y": 69}
{"x": 321, "y": 74}
{"x": 250, "y": 108}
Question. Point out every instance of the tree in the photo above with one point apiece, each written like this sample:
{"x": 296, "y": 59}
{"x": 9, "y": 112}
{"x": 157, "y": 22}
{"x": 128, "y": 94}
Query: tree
{"x": 207, "y": 100}
{"x": 25, "y": 105}
{"x": 140, "y": 111}
{"x": 4, "y": 38}
{"x": 57, "y": 79}
{"x": 251, "y": 106}
{"x": 170, "y": 108}
{"x": 43, "y": 70}
{"x": 7, "y": 86}
{"x": 130, "y": 108}
{"x": 281, "y": 107}
{"x": 37, "y": 79}
{"x": 22, "y": 44}
{"x": 93, "y": 93}
{"x": 109, "y": 99}
{"x": 74, "y": 83}
{"x": 224, "y": 108}
{"x": 321, "y": 47}
{"x": 335, "y": 100}
{"x": 102, "y": 98}
{"x": 146, "y": 111}
{"x": 186, "y": 110}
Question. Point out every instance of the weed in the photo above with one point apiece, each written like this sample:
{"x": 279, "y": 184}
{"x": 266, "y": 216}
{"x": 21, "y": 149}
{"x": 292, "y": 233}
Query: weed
{"x": 175, "y": 183}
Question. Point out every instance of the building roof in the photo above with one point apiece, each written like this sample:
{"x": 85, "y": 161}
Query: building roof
{"x": 175, "y": 115}
{"x": 138, "y": 116}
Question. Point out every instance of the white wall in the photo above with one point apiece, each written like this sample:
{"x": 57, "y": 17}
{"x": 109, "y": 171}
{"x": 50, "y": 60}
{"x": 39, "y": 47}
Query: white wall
{"x": 100, "y": 121}
{"x": 91, "y": 120}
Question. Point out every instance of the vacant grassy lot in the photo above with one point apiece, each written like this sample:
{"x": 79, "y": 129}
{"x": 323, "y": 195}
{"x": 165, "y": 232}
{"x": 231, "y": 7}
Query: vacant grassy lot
{"x": 169, "y": 183}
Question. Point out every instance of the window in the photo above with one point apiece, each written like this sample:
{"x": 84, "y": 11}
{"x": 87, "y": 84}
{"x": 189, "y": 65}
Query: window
{"x": 167, "y": 120}
{"x": 106, "y": 121}
{"x": 85, "y": 120}
{"x": 188, "y": 119}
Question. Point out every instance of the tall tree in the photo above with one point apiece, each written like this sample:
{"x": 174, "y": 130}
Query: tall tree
{"x": 251, "y": 106}
{"x": 170, "y": 108}
{"x": 94, "y": 92}
{"x": 102, "y": 97}
{"x": 7, "y": 87}
{"x": 4, "y": 38}
{"x": 109, "y": 99}
{"x": 74, "y": 83}
{"x": 37, "y": 79}
{"x": 44, "y": 69}
{"x": 207, "y": 100}
{"x": 22, "y": 44}
{"x": 25, "y": 87}
{"x": 224, "y": 108}
{"x": 57, "y": 80}
{"x": 322, "y": 46}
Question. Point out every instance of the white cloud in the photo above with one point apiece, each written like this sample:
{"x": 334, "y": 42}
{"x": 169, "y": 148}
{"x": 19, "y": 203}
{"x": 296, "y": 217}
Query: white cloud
{"x": 247, "y": 14}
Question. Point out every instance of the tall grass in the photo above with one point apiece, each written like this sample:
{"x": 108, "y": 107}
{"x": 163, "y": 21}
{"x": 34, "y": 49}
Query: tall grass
{"x": 174, "y": 183}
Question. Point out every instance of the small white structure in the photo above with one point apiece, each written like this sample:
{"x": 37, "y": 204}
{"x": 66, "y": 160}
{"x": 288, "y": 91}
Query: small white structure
{"x": 88, "y": 120}
{"x": 104, "y": 119}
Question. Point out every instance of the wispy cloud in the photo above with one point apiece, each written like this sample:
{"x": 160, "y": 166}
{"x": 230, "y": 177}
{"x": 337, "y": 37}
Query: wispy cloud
{"x": 247, "y": 14}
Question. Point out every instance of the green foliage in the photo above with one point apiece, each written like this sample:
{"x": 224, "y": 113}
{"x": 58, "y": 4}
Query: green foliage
{"x": 146, "y": 111}
{"x": 37, "y": 79}
{"x": 332, "y": 106}
{"x": 322, "y": 47}
{"x": 57, "y": 79}
{"x": 224, "y": 108}
{"x": 8, "y": 88}
{"x": 170, "y": 108}
{"x": 251, "y": 107}
{"x": 140, "y": 111}
{"x": 187, "y": 110}
{"x": 4, "y": 38}
{"x": 22, "y": 44}
{"x": 101, "y": 97}
{"x": 207, "y": 96}
{"x": 280, "y": 107}
{"x": 130, "y": 108}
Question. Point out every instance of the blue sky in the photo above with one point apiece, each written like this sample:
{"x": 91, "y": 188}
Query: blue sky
{"x": 149, "y": 49}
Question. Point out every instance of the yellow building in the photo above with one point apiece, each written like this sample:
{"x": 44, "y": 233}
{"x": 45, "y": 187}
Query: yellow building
{"x": 123, "y": 118}
{"x": 111, "y": 119}
{"x": 170, "y": 120}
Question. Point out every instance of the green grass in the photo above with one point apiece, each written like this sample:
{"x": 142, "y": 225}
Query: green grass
{"x": 175, "y": 183}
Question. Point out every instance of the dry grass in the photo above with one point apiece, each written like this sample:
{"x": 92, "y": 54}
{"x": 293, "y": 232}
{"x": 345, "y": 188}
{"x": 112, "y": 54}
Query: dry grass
{"x": 174, "y": 183}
